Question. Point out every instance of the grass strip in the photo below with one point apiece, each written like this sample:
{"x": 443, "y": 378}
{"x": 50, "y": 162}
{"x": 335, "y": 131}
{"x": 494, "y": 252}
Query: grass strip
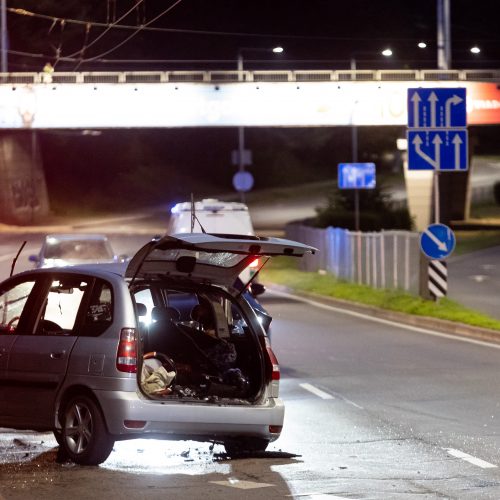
{"x": 284, "y": 271}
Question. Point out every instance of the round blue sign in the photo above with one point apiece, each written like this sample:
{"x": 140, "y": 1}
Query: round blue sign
{"x": 437, "y": 241}
{"x": 243, "y": 181}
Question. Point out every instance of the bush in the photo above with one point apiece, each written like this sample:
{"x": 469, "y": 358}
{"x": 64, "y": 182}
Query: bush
{"x": 376, "y": 212}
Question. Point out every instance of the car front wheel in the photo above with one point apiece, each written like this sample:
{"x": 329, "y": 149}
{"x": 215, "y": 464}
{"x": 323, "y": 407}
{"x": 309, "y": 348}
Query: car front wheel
{"x": 85, "y": 439}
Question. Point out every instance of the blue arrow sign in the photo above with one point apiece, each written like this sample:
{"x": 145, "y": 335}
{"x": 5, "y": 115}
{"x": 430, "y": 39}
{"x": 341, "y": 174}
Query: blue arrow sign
{"x": 437, "y": 108}
{"x": 356, "y": 176}
{"x": 438, "y": 150}
{"x": 437, "y": 241}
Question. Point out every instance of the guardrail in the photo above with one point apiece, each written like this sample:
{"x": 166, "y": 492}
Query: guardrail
{"x": 386, "y": 259}
{"x": 253, "y": 76}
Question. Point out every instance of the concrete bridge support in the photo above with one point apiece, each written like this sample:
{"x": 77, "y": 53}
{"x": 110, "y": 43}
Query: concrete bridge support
{"x": 23, "y": 190}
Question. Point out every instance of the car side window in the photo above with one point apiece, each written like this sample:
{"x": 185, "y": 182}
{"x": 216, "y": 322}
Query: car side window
{"x": 61, "y": 306}
{"x": 12, "y": 303}
{"x": 145, "y": 297}
{"x": 99, "y": 315}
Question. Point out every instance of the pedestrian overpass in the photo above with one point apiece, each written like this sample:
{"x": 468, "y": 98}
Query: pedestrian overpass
{"x": 32, "y": 102}
{"x": 83, "y": 100}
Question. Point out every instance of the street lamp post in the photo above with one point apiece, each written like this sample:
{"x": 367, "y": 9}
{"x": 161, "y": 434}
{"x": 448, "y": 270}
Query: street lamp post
{"x": 354, "y": 133}
{"x": 242, "y": 157}
{"x": 3, "y": 35}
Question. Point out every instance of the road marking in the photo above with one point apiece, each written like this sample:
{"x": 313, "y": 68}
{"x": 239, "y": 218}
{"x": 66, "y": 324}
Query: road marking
{"x": 318, "y": 496}
{"x": 242, "y": 485}
{"x": 470, "y": 458}
{"x": 479, "y": 278}
{"x": 318, "y": 392}
{"x": 388, "y": 322}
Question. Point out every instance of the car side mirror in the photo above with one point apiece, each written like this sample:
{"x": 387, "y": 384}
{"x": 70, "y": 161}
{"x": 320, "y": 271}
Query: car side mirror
{"x": 257, "y": 289}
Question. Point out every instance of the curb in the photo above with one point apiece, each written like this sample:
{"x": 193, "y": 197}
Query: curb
{"x": 440, "y": 325}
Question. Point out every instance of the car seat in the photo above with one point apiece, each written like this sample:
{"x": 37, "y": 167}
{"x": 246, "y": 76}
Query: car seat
{"x": 162, "y": 333}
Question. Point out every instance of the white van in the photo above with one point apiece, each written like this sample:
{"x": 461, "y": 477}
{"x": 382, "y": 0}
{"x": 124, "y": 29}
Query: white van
{"x": 215, "y": 217}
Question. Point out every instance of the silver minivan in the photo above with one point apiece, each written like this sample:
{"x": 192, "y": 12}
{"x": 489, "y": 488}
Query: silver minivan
{"x": 163, "y": 347}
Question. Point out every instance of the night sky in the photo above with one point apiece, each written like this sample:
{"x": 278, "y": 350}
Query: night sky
{"x": 208, "y": 34}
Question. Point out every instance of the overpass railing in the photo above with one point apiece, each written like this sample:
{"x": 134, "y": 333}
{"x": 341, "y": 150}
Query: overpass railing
{"x": 252, "y": 76}
{"x": 385, "y": 259}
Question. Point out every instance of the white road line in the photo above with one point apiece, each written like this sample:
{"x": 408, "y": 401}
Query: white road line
{"x": 470, "y": 458}
{"x": 317, "y": 392}
{"x": 318, "y": 496}
{"x": 385, "y": 321}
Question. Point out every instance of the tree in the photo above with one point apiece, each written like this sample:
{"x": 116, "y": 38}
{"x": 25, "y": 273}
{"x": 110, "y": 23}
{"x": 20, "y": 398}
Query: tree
{"x": 376, "y": 211}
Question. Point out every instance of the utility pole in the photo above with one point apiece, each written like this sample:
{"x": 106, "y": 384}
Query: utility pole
{"x": 443, "y": 34}
{"x": 3, "y": 36}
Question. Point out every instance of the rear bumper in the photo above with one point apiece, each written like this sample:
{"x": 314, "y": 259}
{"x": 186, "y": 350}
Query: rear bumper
{"x": 195, "y": 420}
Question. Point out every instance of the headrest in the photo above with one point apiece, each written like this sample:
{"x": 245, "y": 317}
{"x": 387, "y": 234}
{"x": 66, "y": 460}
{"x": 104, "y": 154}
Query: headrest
{"x": 165, "y": 314}
{"x": 141, "y": 309}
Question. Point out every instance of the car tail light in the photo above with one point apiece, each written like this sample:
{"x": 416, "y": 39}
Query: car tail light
{"x": 254, "y": 264}
{"x": 126, "y": 358}
{"x": 275, "y": 429}
{"x": 272, "y": 366}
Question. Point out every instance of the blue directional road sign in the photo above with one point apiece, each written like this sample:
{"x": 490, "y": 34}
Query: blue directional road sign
{"x": 444, "y": 150}
{"x": 437, "y": 108}
{"x": 437, "y": 129}
{"x": 437, "y": 241}
{"x": 356, "y": 176}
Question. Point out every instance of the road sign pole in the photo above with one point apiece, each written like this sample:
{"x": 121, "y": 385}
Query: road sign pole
{"x": 356, "y": 209}
{"x": 436, "y": 197}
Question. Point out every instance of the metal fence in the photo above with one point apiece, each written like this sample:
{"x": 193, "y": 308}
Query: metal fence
{"x": 221, "y": 76}
{"x": 386, "y": 259}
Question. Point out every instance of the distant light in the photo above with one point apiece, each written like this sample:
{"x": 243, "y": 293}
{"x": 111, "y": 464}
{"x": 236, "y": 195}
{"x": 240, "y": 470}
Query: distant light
{"x": 278, "y": 50}
{"x": 402, "y": 144}
{"x": 422, "y": 45}
{"x": 387, "y": 52}
{"x": 475, "y": 50}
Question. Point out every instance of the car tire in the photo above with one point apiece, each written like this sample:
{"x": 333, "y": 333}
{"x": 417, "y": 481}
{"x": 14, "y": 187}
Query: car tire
{"x": 85, "y": 439}
{"x": 237, "y": 446}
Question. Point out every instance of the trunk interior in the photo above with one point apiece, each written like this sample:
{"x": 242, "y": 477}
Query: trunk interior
{"x": 197, "y": 346}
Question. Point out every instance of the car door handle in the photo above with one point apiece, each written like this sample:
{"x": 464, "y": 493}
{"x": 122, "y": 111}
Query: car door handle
{"x": 58, "y": 355}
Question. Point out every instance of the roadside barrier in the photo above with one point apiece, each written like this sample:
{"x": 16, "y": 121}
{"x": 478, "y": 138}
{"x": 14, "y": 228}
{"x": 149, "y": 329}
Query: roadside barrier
{"x": 386, "y": 259}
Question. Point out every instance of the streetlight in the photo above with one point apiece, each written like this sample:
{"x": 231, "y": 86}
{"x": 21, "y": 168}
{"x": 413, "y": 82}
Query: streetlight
{"x": 386, "y": 53}
{"x": 422, "y": 45}
{"x": 275, "y": 50}
{"x": 475, "y": 49}
{"x": 244, "y": 157}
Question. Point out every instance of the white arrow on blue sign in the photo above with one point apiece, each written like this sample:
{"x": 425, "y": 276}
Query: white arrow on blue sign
{"x": 437, "y": 241}
{"x": 356, "y": 176}
{"x": 438, "y": 149}
{"x": 437, "y": 108}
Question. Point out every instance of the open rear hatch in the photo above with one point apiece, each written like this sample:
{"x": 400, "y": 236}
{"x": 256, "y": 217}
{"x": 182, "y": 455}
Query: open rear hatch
{"x": 199, "y": 341}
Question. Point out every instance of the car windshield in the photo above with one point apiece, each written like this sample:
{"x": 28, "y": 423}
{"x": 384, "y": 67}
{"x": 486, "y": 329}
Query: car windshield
{"x": 78, "y": 249}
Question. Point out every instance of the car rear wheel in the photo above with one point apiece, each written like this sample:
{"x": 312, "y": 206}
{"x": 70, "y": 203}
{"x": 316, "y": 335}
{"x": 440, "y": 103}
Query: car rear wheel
{"x": 235, "y": 446}
{"x": 85, "y": 439}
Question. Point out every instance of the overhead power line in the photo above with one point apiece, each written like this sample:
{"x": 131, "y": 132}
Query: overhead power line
{"x": 96, "y": 24}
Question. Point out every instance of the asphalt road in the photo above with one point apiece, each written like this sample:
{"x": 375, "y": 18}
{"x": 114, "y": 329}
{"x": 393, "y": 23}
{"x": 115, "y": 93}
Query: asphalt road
{"x": 373, "y": 410}
{"x": 474, "y": 280}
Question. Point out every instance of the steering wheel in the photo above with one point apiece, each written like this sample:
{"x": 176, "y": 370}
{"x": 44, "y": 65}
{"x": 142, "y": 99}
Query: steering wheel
{"x": 10, "y": 325}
